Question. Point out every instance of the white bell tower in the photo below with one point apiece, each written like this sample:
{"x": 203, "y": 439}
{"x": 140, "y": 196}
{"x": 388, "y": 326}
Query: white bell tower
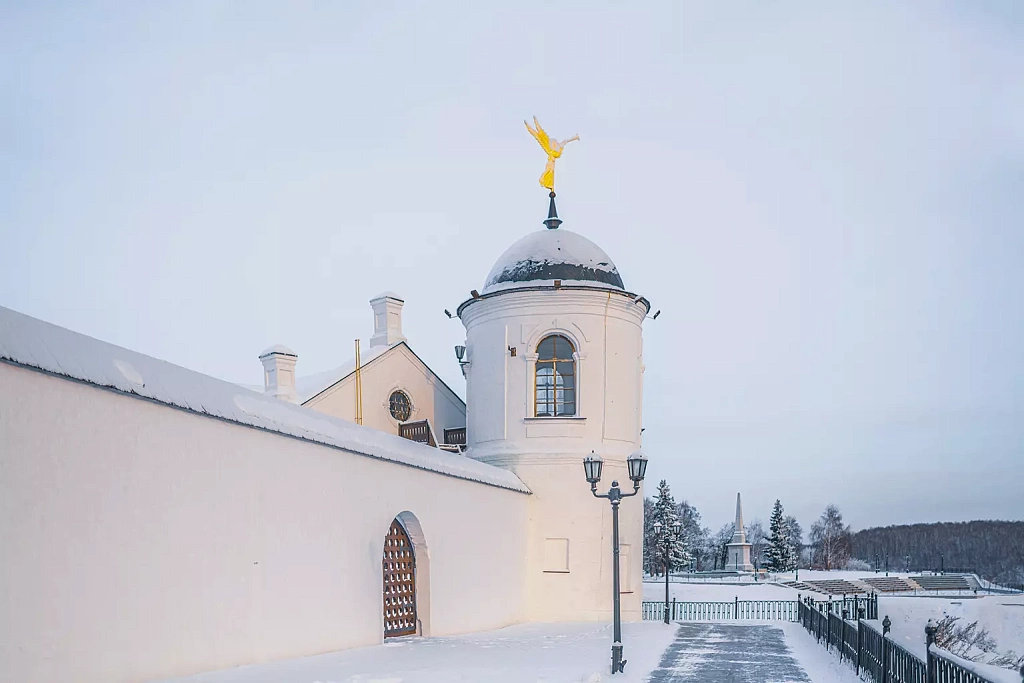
{"x": 554, "y": 371}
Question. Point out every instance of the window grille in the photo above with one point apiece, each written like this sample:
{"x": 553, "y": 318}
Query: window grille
{"x": 555, "y": 380}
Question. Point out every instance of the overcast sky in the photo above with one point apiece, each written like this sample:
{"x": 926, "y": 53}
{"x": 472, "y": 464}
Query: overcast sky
{"x": 826, "y": 203}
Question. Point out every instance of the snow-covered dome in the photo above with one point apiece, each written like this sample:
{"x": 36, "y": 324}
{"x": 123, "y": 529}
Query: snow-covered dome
{"x": 548, "y": 255}
{"x": 278, "y": 348}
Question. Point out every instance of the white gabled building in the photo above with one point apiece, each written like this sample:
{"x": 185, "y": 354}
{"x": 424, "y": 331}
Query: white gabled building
{"x": 399, "y": 393}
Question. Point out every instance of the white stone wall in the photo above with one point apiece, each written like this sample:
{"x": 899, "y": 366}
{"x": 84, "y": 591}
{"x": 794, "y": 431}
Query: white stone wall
{"x": 399, "y": 368}
{"x": 547, "y": 453}
{"x": 141, "y": 541}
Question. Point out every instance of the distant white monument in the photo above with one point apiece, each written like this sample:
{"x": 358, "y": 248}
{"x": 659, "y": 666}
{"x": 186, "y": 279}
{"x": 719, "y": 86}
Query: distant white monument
{"x": 739, "y": 549}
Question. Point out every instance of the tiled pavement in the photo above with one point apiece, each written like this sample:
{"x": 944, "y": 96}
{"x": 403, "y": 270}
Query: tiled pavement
{"x": 728, "y": 653}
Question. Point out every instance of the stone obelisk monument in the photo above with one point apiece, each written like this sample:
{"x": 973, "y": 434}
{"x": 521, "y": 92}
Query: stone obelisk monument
{"x": 739, "y": 549}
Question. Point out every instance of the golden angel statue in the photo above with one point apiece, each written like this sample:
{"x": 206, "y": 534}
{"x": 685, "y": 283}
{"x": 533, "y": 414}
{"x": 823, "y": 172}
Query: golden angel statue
{"x": 552, "y": 147}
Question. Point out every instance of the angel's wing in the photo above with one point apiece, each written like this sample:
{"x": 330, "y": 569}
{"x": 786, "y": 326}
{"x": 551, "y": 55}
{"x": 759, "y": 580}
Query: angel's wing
{"x": 539, "y": 134}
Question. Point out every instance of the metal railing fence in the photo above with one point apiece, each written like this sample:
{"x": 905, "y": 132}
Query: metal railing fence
{"x": 875, "y": 656}
{"x": 760, "y": 610}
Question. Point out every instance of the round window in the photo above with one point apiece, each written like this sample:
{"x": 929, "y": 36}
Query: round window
{"x": 400, "y": 406}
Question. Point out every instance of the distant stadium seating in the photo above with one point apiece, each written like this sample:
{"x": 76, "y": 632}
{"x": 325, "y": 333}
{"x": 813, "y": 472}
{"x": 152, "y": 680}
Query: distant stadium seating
{"x": 836, "y": 587}
{"x": 800, "y": 586}
{"x": 889, "y": 584}
{"x": 941, "y": 582}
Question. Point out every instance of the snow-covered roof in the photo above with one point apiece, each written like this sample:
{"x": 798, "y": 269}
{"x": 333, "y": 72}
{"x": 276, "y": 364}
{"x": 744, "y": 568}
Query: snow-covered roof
{"x": 278, "y": 348}
{"x": 548, "y": 255}
{"x": 308, "y": 386}
{"x": 37, "y": 344}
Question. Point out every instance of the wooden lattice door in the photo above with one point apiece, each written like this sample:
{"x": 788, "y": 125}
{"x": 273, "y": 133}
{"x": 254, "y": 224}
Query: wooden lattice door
{"x": 399, "y": 566}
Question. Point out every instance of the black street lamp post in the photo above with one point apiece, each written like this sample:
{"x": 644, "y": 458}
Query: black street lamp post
{"x": 667, "y": 537}
{"x": 636, "y": 464}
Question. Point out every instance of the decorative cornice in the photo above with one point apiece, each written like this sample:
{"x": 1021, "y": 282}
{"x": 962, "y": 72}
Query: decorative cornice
{"x": 602, "y": 292}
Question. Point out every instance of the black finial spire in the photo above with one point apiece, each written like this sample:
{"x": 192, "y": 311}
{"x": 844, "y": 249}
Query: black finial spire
{"x": 553, "y": 220}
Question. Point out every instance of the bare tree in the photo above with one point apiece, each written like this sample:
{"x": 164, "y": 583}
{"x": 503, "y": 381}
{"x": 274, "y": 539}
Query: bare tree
{"x": 758, "y": 541}
{"x": 973, "y": 642}
{"x": 720, "y": 543}
{"x": 963, "y": 641}
{"x": 693, "y": 534}
{"x": 831, "y": 539}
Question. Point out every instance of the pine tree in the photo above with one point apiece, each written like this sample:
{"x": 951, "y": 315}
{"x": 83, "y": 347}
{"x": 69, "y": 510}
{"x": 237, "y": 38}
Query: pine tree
{"x": 650, "y": 563}
{"x": 779, "y": 555}
{"x": 796, "y": 539}
{"x": 666, "y": 512}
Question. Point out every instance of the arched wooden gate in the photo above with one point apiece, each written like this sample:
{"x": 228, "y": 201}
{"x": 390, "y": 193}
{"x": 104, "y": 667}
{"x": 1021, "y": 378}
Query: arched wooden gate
{"x": 399, "y": 567}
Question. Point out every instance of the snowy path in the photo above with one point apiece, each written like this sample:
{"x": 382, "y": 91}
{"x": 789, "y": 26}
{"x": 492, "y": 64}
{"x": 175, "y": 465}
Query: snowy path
{"x": 728, "y": 653}
{"x": 527, "y": 653}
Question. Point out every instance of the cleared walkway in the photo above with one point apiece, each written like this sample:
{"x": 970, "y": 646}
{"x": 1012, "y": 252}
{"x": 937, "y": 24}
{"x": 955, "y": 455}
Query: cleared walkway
{"x": 728, "y": 653}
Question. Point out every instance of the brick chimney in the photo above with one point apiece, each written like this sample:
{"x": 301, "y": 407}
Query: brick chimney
{"x": 387, "y": 319}
{"x": 279, "y": 373}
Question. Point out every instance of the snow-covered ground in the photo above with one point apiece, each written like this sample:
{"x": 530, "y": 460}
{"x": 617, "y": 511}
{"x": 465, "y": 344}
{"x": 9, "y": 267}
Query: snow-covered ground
{"x": 825, "y": 667}
{"x": 527, "y": 653}
{"x": 805, "y": 574}
{"x": 717, "y": 592}
{"x": 575, "y": 653}
{"x": 821, "y": 575}
{"x": 1001, "y": 615}
{"x": 821, "y": 665}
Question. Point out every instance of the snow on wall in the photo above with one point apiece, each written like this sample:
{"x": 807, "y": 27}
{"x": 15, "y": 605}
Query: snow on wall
{"x": 37, "y": 344}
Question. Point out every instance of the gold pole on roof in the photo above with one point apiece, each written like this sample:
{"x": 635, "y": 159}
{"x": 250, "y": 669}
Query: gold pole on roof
{"x": 359, "y": 388}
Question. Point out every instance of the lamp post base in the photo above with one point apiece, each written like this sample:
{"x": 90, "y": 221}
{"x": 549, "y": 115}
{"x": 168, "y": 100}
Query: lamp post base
{"x": 618, "y": 663}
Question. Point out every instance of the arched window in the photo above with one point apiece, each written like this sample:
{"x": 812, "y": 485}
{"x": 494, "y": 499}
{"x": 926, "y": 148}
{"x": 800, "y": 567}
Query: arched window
{"x": 556, "y": 378}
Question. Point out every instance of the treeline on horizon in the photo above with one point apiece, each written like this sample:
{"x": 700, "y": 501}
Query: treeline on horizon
{"x": 994, "y": 549}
